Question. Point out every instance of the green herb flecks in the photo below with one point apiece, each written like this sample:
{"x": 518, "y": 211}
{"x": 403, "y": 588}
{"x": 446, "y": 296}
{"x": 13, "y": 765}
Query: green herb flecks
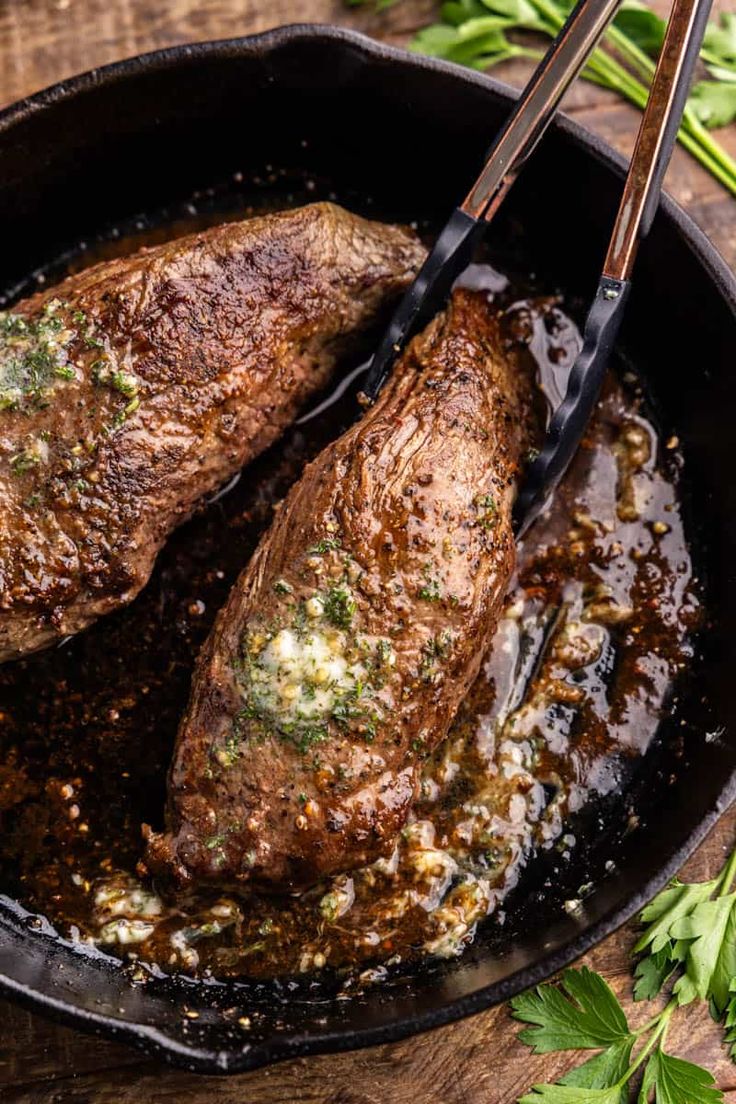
{"x": 339, "y": 606}
{"x": 306, "y": 673}
{"x": 24, "y": 461}
{"x": 214, "y": 842}
{"x": 34, "y": 354}
{"x": 350, "y": 708}
{"x": 434, "y": 652}
{"x": 430, "y": 590}
{"x": 329, "y": 906}
{"x": 486, "y": 510}
{"x": 382, "y": 663}
{"x": 328, "y": 544}
{"x": 230, "y": 752}
{"x": 121, "y": 416}
{"x": 105, "y": 373}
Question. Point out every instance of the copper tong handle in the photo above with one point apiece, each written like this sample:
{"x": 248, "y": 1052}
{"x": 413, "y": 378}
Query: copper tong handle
{"x": 537, "y": 105}
{"x": 454, "y": 247}
{"x": 657, "y": 134}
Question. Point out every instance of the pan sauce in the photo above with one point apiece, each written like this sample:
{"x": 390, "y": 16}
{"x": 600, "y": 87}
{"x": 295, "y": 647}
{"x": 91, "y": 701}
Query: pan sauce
{"x": 595, "y": 629}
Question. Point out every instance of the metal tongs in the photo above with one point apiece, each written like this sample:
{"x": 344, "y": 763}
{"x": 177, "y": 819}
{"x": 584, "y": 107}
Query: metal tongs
{"x": 454, "y": 247}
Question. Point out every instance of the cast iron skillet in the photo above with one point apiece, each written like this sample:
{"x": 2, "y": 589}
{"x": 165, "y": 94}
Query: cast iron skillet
{"x": 409, "y": 134}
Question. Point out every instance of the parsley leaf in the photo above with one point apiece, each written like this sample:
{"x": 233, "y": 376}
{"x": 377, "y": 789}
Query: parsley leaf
{"x": 592, "y": 1016}
{"x": 478, "y": 43}
{"x": 666, "y": 909}
{"x": 568, "y": 1094}
{"x": 729, "y": 1022}
{"x": 714, "y": 103}
{"x": 339, "y": 607}
{"x": 644, "y": 27}
{"x": 686, "y": 927}
{"x": 604, "y": 1070}
{"x": 653, "y": 971}
{"x": 720, "y": 37}
{"x": 520, "y": 13}
{"x": 674, "y": 1081}
{"x": 456, "y": 12}
{"x": 706, "y": 927}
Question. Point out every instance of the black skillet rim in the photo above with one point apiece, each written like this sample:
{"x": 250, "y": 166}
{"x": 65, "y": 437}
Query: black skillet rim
{"x": 202, "y": 1060}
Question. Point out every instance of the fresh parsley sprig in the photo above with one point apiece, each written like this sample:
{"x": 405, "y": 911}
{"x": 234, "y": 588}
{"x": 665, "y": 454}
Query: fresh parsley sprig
{"x": 584, "y": 1014}
{"x": 476, "y": 33}
{"x": 691, "y": 929}
{"x": 689, "y": 946}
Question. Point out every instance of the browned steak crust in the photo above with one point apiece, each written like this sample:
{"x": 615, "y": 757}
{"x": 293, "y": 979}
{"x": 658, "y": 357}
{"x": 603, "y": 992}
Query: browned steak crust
{"x": 133, "y": 389}
{"x": 349, "y": 641}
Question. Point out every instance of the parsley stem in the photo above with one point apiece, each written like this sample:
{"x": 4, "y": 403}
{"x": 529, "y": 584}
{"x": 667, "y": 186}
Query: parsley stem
{"x": 723, "y": 887}
{"x": 692, "y": 134}
{"x": 645, "y": 1028}
{"x": 709, "y": 145}
{"x": 535, "y": 55}
{"x": 551, "y": 13}
{"x": 717, "y": 62}
{"x": 660, "y": 1024}
{"x": 631, "y": 52}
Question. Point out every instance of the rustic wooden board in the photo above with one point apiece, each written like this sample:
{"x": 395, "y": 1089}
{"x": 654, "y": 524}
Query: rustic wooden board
{"x": 479, "y": 1060}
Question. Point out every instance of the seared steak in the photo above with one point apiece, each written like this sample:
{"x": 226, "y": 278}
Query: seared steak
{"x": 131, "y": 390}
{"x": 349, "y": 641}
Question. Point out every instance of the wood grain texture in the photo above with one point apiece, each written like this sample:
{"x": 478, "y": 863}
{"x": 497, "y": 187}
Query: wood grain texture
{"x": 479, "y": 1060}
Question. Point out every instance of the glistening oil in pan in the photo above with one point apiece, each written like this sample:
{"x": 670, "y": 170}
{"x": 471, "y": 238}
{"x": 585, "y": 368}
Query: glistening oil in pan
{"x": 596, "y": 629}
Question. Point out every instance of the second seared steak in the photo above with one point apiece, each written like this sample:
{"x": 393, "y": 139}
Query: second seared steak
{"x": 137, "y": 387}
{"x": 349, "y": 641}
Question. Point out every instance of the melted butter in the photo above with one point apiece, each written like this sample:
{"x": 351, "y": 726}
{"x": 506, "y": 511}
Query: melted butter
{"x": 303, "y": 678}
{"x": 310, "y": 672}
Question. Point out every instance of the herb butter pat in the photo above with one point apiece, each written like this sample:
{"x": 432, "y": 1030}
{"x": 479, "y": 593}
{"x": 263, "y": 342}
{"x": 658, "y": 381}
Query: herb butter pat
{"x": 304, "y": 678}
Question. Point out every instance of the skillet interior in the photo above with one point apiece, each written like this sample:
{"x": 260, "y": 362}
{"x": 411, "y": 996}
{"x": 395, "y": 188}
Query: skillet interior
{"x": 379, "y": 123}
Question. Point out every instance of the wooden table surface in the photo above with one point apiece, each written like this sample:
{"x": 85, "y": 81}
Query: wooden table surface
{"x": 477, "y": 1061}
